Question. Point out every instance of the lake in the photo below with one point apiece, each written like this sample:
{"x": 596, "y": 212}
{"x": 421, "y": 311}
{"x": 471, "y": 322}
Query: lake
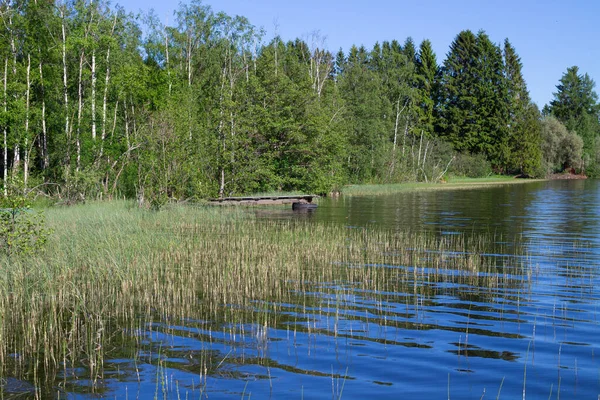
{"x": 540, "y": 339}
{"x": 527, "y": 328}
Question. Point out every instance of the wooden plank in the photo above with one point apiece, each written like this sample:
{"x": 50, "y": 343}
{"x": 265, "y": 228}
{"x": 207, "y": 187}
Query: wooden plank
{"x": 264, "y": 200}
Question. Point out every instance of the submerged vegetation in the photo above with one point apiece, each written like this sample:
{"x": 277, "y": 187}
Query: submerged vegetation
{"x": 111, "y": 270}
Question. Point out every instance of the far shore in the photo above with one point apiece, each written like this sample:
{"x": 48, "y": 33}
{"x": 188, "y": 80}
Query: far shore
{"x": 451, "y": 184}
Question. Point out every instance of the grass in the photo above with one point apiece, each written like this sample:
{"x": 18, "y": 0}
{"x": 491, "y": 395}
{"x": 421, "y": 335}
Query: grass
{"x": 453, "y": 183}
{"x": 109, "y": 269}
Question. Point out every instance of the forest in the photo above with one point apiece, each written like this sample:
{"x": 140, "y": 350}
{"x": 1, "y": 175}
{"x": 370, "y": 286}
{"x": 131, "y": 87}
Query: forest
{"x": 100, "y": 103}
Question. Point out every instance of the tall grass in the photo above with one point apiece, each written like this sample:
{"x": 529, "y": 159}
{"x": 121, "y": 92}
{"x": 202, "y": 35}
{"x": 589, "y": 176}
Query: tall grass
{"x": 110, "y": 269}
{"x": 453, "y": 183}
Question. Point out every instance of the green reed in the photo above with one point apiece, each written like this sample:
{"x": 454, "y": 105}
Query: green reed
{"x": 454, "y": 183}
{"x": 110, "y": 269}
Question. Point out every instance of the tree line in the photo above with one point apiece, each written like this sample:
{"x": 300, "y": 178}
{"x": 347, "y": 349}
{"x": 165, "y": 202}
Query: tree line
{"x": 97, "y": 102}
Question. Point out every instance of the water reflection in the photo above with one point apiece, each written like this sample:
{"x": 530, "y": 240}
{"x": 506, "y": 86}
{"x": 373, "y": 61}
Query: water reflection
{"x": 405, "y": 329}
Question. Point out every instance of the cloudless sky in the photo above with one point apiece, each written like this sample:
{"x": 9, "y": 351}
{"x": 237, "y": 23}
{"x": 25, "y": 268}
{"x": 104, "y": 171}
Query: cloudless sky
{"x": 549, "y": 35}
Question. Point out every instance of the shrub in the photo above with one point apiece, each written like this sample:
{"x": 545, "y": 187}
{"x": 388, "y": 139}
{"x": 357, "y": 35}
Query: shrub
{"x": 561, "y": 149}
{"x": 22, "y": 230}
{"x": 471, "y": 165}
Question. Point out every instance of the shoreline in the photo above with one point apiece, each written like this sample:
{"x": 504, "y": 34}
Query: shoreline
{"x": 453, "y": 184}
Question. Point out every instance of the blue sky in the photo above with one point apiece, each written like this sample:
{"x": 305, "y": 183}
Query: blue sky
{"x": 549, "y": 35}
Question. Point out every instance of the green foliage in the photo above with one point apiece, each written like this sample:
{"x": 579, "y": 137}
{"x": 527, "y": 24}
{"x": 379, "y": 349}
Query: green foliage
{"x": 427, "y": 77}
{"x": 591, "y": 160}
{"x": 22, "y": 230}
{"x": 470, "y": 166}
{"x": 473, "y": 104}
{"x": 366, "y": 103}
{"x": 575, "y": 96}
{"x": 524, "y": 119}
{"x": 575, "y": 104}
{"x": 561, "y": 148}
{"x": 98, "y": 106}
{"x": 79, "y": 186}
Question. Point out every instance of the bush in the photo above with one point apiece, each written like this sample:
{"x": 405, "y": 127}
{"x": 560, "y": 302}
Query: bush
{"x": 471, "y": 165}
{"x": 22, "y": 230}
{"x": 561, "y": 149}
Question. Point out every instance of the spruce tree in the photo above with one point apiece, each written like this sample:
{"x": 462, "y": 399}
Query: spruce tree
{"x": 457, "y": 122}
{"x": 426, "y": 75}
{"x": 575, "y": 104}
{"x": 575, "y": 97}
{"x": 524, "y": 117}
{"x": 409, "y": 50}
{"x": 492, "y": 96}
{"x": 473, "y": 109}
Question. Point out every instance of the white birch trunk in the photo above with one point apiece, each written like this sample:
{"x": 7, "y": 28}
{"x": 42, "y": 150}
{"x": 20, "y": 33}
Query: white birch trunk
{"x": 94, "y": 95}
{"x": 221, "y": 134}
{"x": 45, "y": 160}
{"x": 13, "y": 48}
{"x": 167, "y": 59}
{"x": 26, "y": 144}
{"x": 126, "y": 123}
{"x": 5, "y": 144}
{"x": 189, "y": 58}
{"x": 396, "y": 124}
{"x": 105, "y": 97}
{"x": 65, "y": 88}
{"x": 79, "y": 109}
{"x": 16, "y": 150}
{"x": 105, "y": 101}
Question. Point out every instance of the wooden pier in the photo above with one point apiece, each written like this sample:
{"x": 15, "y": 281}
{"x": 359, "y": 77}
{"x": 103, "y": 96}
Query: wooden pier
{"x": 264, "y": 200}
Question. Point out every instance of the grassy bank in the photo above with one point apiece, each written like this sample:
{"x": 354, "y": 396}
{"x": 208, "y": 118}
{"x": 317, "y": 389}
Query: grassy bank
{"x": 451, "y": 184}
{"x": 109, "y": 269}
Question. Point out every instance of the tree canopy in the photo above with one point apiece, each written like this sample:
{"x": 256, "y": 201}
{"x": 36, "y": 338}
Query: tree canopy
{"x": 97, "y": 102}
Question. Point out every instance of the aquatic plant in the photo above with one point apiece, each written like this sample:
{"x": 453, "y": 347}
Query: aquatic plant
{"x": 111, "y": 272}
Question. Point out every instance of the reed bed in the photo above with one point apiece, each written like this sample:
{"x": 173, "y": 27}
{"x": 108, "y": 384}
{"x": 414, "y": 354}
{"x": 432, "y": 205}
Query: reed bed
{"x": 451, "y": 184}
{"x": 110, "y": 269}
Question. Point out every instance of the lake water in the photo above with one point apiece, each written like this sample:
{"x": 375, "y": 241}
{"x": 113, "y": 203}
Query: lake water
{"x": 540, "y": 339}
{"x": 536, "y": 334}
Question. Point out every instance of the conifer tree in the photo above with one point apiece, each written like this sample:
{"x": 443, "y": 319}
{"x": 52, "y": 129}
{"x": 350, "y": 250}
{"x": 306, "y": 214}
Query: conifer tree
{"x": 524, "y": 117}
{"x": 492, "y": 96}
{"x": 575, "y": 104}
{"x": 473, "y": 109}
{"x": 426, "y": 75}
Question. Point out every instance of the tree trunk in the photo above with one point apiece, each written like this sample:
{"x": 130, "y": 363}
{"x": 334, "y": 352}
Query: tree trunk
{"x": 5, "y": 144}
{"x": 126, "y": 123}
{"x": 66, "y": 90}
{"x": 105, "y": 97}
{"x": 221, "y": 133}
{"x": 94, "y": 95}
{"x": 79, "y": 110}
{"x": 26, "y": 144}
{"x": 44, "y": 139}
{"x": 167, "y": 59}
{"x": 16, "y": 150}
{"x": 189, "y": 58}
